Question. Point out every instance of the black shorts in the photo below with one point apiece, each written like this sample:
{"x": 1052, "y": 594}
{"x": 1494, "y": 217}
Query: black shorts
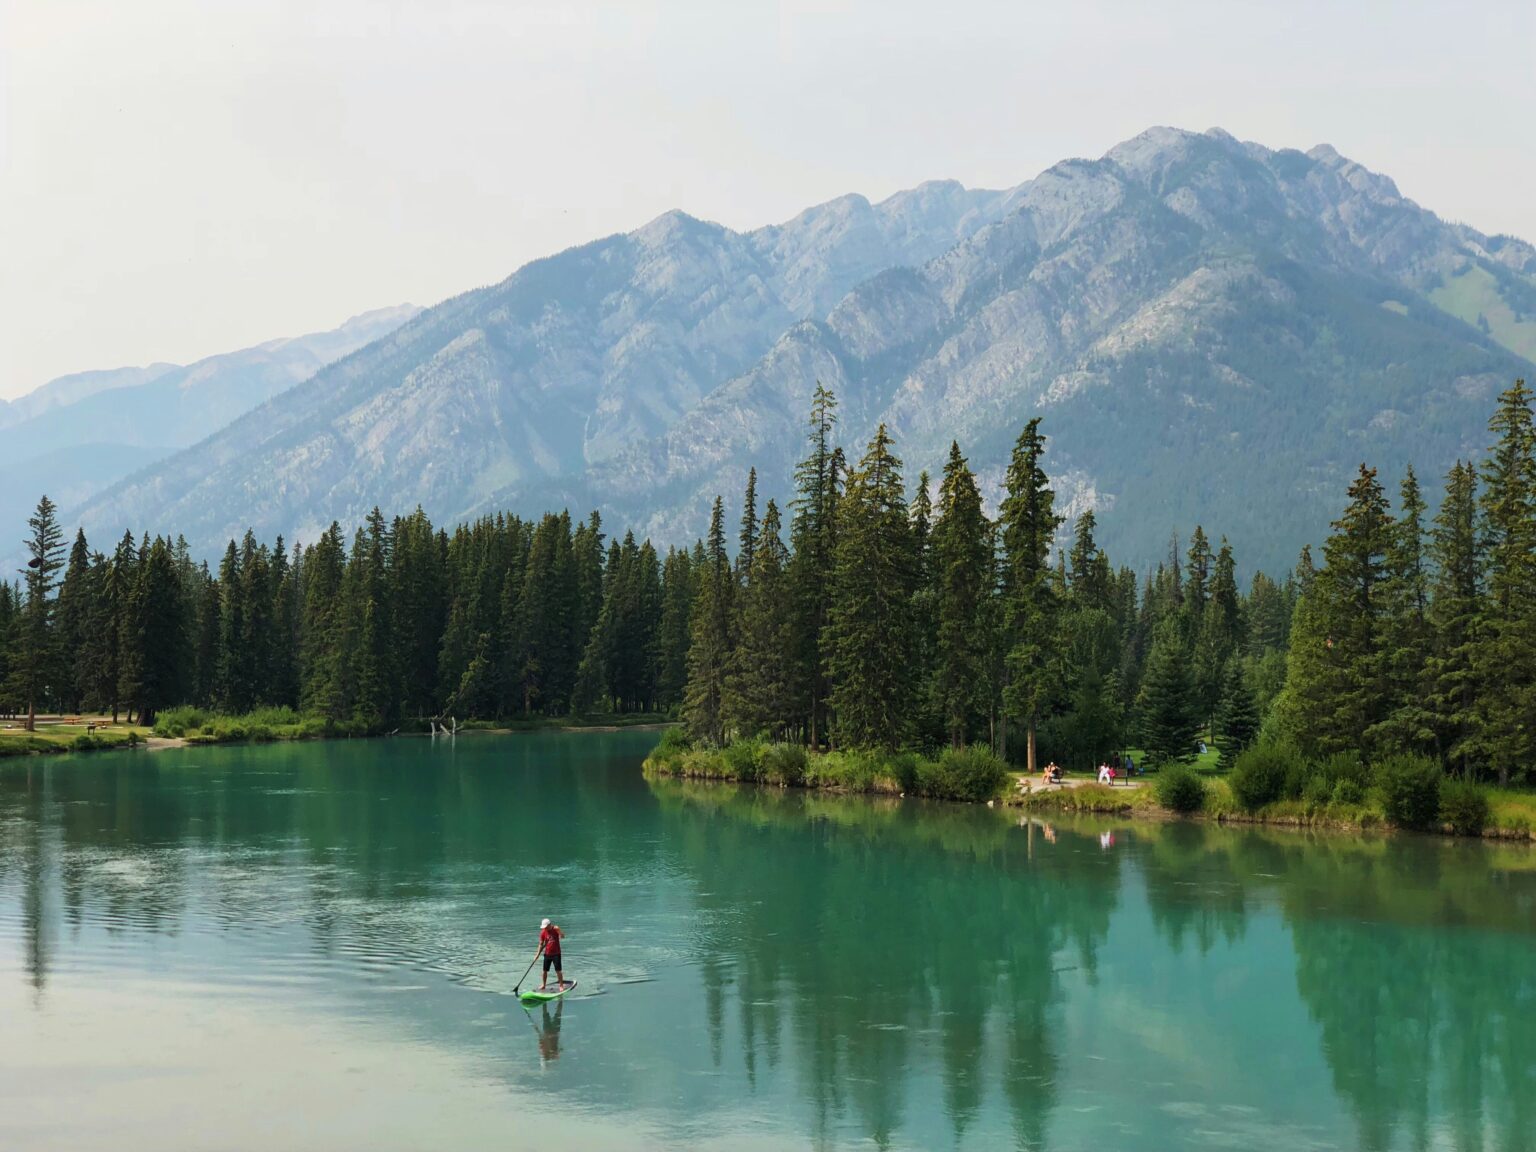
{"x": 552, "y": 960}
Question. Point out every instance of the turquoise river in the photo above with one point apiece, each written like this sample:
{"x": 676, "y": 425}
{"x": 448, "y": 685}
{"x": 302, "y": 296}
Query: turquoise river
{"x": 314, "y": 947}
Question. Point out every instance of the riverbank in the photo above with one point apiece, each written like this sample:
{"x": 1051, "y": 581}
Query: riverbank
{"x": 55, "y": 735}
{"x": 1180, "y": 793}
{"x": 186, "y": 727}
{"x": 972, "y": 774}
{"x": 1511, "y": 812}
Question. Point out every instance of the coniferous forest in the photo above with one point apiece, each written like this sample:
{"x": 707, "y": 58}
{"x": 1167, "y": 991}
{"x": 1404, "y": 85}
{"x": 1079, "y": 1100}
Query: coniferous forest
{"x": 865, "y": 613}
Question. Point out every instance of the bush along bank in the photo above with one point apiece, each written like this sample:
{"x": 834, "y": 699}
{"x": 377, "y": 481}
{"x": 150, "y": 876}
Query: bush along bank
{"x": 972, "y": 774}
{"x": 1273, "y": 783}
{"x": 262, "y": 726}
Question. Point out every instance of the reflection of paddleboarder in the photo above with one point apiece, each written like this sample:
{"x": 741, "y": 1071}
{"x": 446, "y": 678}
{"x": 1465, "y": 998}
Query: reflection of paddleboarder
{"x": 549, "y": 944}
{"x": 549, "y": 1034}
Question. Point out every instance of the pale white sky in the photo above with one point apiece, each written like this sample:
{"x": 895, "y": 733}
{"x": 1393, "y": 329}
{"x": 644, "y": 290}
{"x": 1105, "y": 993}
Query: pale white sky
{"x": 183, "y": 177}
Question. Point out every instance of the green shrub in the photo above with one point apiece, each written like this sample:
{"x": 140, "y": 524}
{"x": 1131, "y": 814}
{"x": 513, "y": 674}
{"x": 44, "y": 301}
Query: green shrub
{"x": 1343, "y": 766}
{"x": 1410, "y": 790}
{"x": 1317, "y": 791}
{"x": 972, "y": 773}
{"x": 673, "y": 742}
{"x": 905, "y": 768}
{"x": 1180, "y": 789}
{"x": 1348, "y": 792}
{"x": 1464, "y": 806}
{"x": 741, "y": 758}
{"x": 1262, "y": 774}
{"x": 782, "y": 764}
{"x": 177, "y": 722}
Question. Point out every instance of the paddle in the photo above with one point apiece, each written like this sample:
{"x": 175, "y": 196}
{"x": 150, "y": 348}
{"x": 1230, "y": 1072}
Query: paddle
{"x": 518, "y": 987}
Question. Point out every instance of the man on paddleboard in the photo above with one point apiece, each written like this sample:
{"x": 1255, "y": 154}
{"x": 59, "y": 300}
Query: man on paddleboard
{"x": 549, "y": 945}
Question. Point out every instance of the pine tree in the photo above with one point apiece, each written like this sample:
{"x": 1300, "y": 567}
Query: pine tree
{"x": 1336, "y": 685}
{"x": 749, "y": 530}
{"x": 157, "y": 624}
{"x": 1455, "y": 606}
{"x": 709, "y": 648}
{"x": 812, "y": 532}
{"x": 1504, "y": 655}
{"x": 35, "y": 661}
{"x": 1409, "y": 724}
{"x": 123, "y": 670}
{"x": 1268, "y": 615}
{"x": 1237, "y": 719}
{"x": 1166, "y": 706}
{"x": 322, "y": 661}
{"x": 1029, "y": 523}
{"x": 75, "y": 606}
{"x": 1219, "y": 630}
{"x": 1196, "y": 586}
{"x": 673, "y": 630}
{"x": 867, "y": 642}
{"x": 927, "y": 709}
{"x": 1088, "y": 566}
{"x": 9, "y": 610}
{"x": 962, "y": 563}
{"x": 759, "y": 690}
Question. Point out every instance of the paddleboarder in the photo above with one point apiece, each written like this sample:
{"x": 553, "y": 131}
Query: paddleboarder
{"x": 549, "y": 944}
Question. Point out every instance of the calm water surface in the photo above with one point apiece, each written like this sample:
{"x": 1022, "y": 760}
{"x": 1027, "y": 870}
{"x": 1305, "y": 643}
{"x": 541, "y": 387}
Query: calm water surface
{"x": 314, "y": 946}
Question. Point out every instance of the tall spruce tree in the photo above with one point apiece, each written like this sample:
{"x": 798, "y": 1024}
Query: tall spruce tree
{"x": 36, "y": 660}
{"x": 75, "y": 606}
{"x": 709, "y": 648}
{"x": 759, "y": 689}
{"x": 1337, "y": 689}
{"x": 1166, "y": 707}
{"x": 812, "y": 532}
{"x": 927, "y": 721}
{"x": 157, "y": 624}
{"x": 867, "y": 642}
{"x": 749, "y": 529}
{"x": 1237, "y": 719}
{"x": 1410, "y": 723}
{"x": 1454, "y": 613}
{"x": 673, "y": 629}
{"x": 963, "y": 577}
{"x": 1505, "y": 652}
{"x": 1029, "y": 523}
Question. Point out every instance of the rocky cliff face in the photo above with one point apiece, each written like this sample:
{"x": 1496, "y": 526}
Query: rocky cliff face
{"x": 1214, "y": 332}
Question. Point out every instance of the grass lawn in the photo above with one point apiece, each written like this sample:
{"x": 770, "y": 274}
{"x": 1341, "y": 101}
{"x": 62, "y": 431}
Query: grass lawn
{"x": 1205, "y": 763}
{"x": 50, "y": 737}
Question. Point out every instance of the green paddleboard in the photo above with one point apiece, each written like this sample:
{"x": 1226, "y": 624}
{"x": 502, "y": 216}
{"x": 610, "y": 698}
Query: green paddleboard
{"x": 533, "y": 996}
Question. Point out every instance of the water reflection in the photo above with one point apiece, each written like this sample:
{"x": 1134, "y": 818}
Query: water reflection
{"x": 906, "y": 974}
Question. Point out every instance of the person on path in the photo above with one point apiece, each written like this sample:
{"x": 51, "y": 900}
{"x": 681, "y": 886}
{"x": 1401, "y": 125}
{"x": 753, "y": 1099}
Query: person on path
{"x": 549, "y": 944}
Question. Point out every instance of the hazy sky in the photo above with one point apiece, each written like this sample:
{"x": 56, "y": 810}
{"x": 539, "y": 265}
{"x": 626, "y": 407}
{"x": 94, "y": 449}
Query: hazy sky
{"x": 183, "y": 177}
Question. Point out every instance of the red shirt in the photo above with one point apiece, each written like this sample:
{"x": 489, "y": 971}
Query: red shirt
{"x": 549, "y": 940}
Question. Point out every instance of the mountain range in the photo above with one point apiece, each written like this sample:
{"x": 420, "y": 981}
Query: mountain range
{"x": 1214, "y": 332}
{"x": 78, "y": 434}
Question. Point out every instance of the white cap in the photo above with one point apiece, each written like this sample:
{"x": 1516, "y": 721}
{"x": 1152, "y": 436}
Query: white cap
{"x": 545, "y": 924}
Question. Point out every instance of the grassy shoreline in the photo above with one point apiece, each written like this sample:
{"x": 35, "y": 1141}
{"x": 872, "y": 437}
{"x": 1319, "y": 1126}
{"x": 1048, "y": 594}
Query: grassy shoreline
{"x": 184, "y": 727}
{"x": 1511, "y": 813}
{"x": 973, "y": 774}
